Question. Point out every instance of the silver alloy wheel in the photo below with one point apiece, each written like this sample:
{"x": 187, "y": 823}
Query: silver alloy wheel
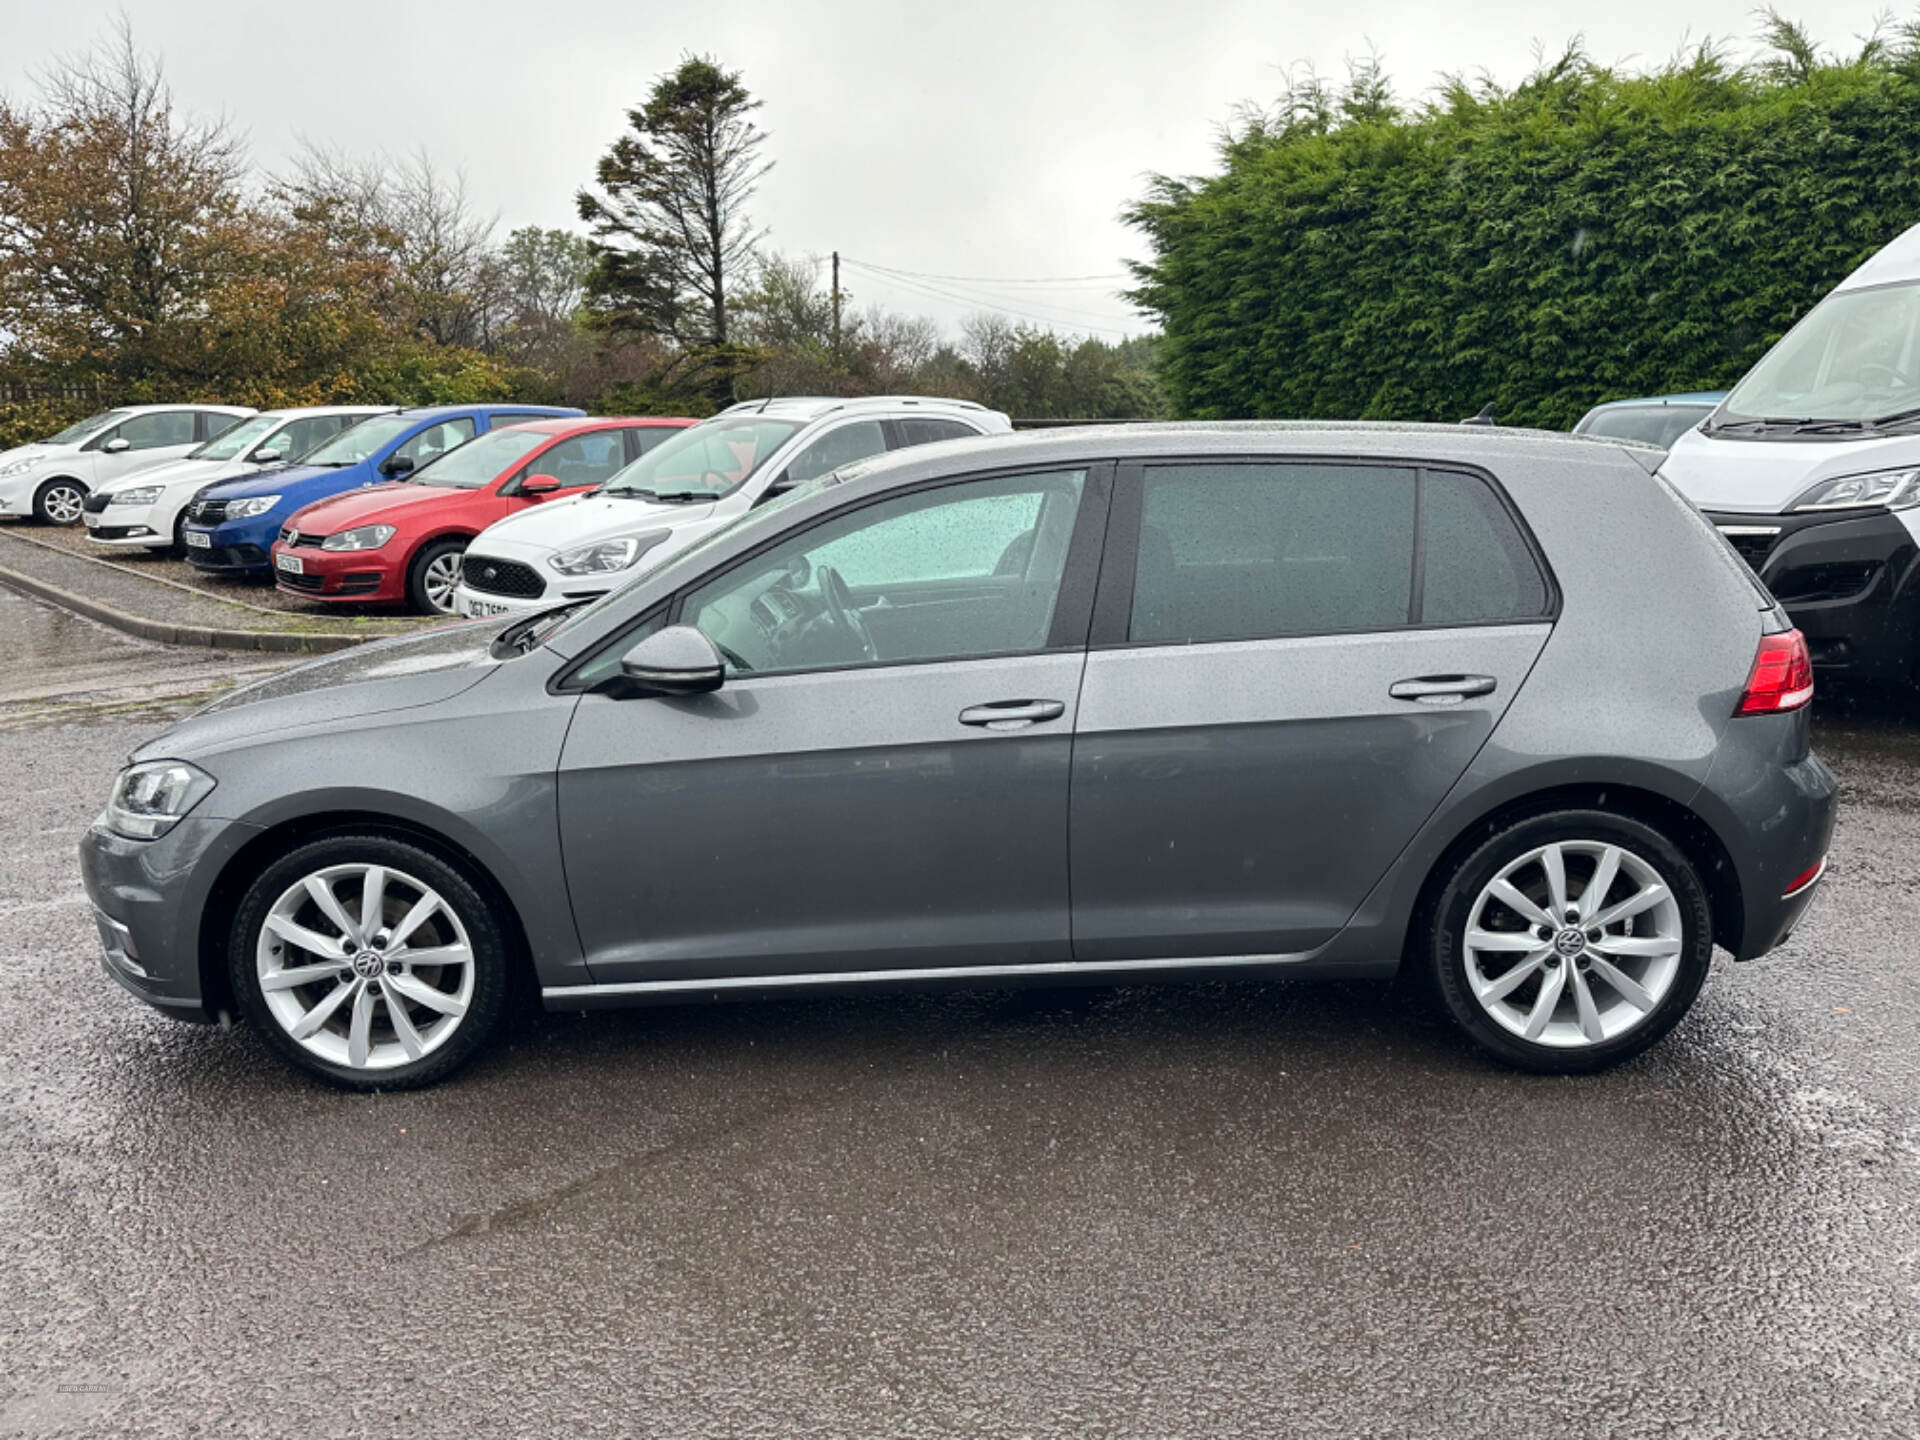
{"x": 439, "y": 578}
{"x": 1573, "y": 944}
{"x": 62, "y": 502}
{"x": 365, "y": 966}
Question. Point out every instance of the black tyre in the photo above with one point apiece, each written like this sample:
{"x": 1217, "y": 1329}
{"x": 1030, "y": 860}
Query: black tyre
{"x": 369, "y": 962}
{"x": 1571, "y": 941}
{"x": 432, "y": 576}
{"x": 59, "y": 501}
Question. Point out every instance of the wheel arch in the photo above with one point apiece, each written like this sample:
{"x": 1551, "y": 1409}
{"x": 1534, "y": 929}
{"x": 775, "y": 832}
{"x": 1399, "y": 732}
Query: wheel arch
{"x": 261, "y": 850}
{"x": 1695, "y": 837}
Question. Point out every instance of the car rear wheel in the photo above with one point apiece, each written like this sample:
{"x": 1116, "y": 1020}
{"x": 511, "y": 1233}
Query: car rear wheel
{"x": 59, "y": 502}
{"x": 433, "y": 575}
{"x": 1570, "y": 941}
{"x": 368, "y": 962}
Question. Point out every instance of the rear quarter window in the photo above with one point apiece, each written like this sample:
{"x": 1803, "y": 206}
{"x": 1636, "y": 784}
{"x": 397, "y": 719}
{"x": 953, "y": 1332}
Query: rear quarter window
{"x": 1477, "y": 566}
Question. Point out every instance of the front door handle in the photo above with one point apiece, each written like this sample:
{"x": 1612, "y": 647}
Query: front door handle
{"x": 1442, "y": 689}
{"x": 1012, "y": 714}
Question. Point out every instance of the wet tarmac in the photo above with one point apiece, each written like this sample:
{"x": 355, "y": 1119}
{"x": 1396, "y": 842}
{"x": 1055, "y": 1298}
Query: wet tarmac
{"x": 1183, "y": 1211}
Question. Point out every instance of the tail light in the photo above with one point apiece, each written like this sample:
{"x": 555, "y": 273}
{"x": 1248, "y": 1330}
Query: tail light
{"x": 1782, "y": 677}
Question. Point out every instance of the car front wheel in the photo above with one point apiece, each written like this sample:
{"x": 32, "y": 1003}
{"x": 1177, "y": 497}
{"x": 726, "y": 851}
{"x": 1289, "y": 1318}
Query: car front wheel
{"x": 59, "y": 502}
{"x": 369, "y": 962}
{"x": 432, "y": 576}
{"x": 1571, "y": 941}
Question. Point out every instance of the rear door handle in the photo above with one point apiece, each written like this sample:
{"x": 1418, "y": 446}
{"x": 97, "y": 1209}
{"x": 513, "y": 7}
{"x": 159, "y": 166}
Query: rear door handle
{"x": 1012, "y": 714}
{"x": 1442, "y": 689}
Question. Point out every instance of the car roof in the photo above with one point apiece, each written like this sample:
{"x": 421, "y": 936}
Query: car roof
{"x": 567, "y": 424}
{"x": 298, "y": 411}
{"x": 427, "y": 412}
{"x": 812, "y": 407}
{"x": 1477, "y": 445}
{"x": 183, "y": 405}
{"x": 1692, "y": 397}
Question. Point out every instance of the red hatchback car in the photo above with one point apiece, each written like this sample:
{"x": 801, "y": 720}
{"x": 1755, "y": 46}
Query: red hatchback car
{"x": 402, "y": 541}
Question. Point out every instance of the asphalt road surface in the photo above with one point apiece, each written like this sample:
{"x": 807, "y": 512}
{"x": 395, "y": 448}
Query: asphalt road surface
{"x": 1183, "y": 1211}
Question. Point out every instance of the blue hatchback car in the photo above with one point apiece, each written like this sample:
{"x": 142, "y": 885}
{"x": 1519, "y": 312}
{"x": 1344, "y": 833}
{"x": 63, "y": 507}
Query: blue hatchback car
{"x": 231, "y": 526}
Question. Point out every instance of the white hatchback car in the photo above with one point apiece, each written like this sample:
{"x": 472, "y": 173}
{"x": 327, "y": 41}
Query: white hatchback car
{"x": 690, "y": 485}
{"x": 147, "y": 509}
{"x": 51, "y": 479}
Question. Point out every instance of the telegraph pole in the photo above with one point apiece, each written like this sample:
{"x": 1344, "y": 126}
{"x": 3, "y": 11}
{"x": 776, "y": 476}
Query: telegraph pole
{"x": 836, "y": 302}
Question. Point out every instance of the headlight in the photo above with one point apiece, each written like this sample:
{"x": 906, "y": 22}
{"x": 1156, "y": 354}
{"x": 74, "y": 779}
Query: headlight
{"x": 253, "y": 505}
{"x": 145, "y": 495}
{"x": 361, "y": 537}
{"x": 17, "y": 466}
{"x": 149, "y": 799}
{"x": 605, "y": 556}
{"x": 1895, "y": 489}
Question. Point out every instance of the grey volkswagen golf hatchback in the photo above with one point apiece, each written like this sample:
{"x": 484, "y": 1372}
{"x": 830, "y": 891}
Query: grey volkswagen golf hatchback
{"x": 1156, "y": 702}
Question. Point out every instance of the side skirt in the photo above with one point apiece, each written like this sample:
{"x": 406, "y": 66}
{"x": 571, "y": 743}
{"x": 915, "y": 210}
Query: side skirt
{"x": 1214, "y": 967}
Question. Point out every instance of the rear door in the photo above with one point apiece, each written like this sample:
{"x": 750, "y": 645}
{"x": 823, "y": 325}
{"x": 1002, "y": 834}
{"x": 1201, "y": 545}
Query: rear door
{"x": 1292, "y": 663}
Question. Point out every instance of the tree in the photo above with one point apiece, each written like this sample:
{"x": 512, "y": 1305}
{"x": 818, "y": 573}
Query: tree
{"x": 417, "y": 223}
{"x": 117, "y": 217}
{"x": 670, "y": 218}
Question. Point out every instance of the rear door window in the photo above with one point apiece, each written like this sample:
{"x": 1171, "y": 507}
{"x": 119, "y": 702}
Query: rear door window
{"x": 1242, "y": 552}
{"x": 925, "y": 430}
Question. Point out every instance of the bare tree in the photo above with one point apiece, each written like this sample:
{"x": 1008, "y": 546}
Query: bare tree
{"x": 117, "y": 215}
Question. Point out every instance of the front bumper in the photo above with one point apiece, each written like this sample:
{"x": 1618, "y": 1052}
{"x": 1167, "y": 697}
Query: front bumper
{"x": 16, "y": 493}
{"x": 234, "y": 549}
{"x": 126, "y": 525}
{"x": 355, "y": 577}
{"x": 148, "y": 897}
{"x": 1850, "y": 580}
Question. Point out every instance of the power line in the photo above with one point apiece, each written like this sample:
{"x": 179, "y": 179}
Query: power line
{"x": 994, "y": 279}
{"x": 1060, "y": 316}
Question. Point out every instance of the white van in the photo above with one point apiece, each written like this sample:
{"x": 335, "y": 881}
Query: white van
{"x": 1811, "y": 467}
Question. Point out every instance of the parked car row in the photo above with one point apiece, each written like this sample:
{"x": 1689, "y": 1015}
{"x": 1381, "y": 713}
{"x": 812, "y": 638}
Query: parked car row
{"x": 365, "y": 504}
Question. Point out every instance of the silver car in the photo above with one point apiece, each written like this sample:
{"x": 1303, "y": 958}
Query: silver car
{"x": 1146, "y": 703}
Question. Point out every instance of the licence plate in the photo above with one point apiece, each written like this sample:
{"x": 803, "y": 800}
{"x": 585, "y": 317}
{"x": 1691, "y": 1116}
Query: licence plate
{"x": 199, "y": 540}
{"x": 290, "y": 563}
{"x": 480, "y": 609}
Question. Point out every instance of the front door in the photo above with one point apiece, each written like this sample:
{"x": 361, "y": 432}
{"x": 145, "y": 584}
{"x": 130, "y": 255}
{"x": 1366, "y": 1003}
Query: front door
{"x": 1292, "y": 665}
{"x": 882, "y": 782}
{"x": 152, "y": 439}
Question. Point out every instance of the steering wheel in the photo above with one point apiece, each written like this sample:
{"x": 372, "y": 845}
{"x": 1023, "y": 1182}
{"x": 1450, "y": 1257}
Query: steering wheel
{"x": 844, "y": 613}
{"x": 1899, "y": 378}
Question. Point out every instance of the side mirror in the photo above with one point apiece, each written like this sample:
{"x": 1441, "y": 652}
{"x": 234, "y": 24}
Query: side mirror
{"x": 268, "y": 457}
{"x": 398, "y": 466}
{"x": 678, "y": 660}
{"x": 117, "y": 445}
{"x": 537, "y": 485}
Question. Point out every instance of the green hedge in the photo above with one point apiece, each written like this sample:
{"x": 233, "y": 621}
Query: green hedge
{"x": 1584, "y": 237}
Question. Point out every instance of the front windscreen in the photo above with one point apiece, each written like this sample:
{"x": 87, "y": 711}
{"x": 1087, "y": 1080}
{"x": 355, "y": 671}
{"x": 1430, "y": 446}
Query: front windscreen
{"x": 1651, "y": 424}
{"x": 704, "y": 461}
{"x": 350, "y": 447}
{"x": 239, "y": 440}
{"x": 92, "y": 425}
{"x": 478, "y": 462}
{"x": 1855, "y": 357}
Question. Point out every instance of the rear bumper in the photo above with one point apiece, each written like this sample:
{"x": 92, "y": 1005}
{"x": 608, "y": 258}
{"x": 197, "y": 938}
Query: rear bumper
{"x": 352, "y": 577}
{"x": 1851, "y": 582}
{"x": 1774, "y": 804}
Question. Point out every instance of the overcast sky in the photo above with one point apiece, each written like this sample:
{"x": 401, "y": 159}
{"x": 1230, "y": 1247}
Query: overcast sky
{"x": 986, "y": 139}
